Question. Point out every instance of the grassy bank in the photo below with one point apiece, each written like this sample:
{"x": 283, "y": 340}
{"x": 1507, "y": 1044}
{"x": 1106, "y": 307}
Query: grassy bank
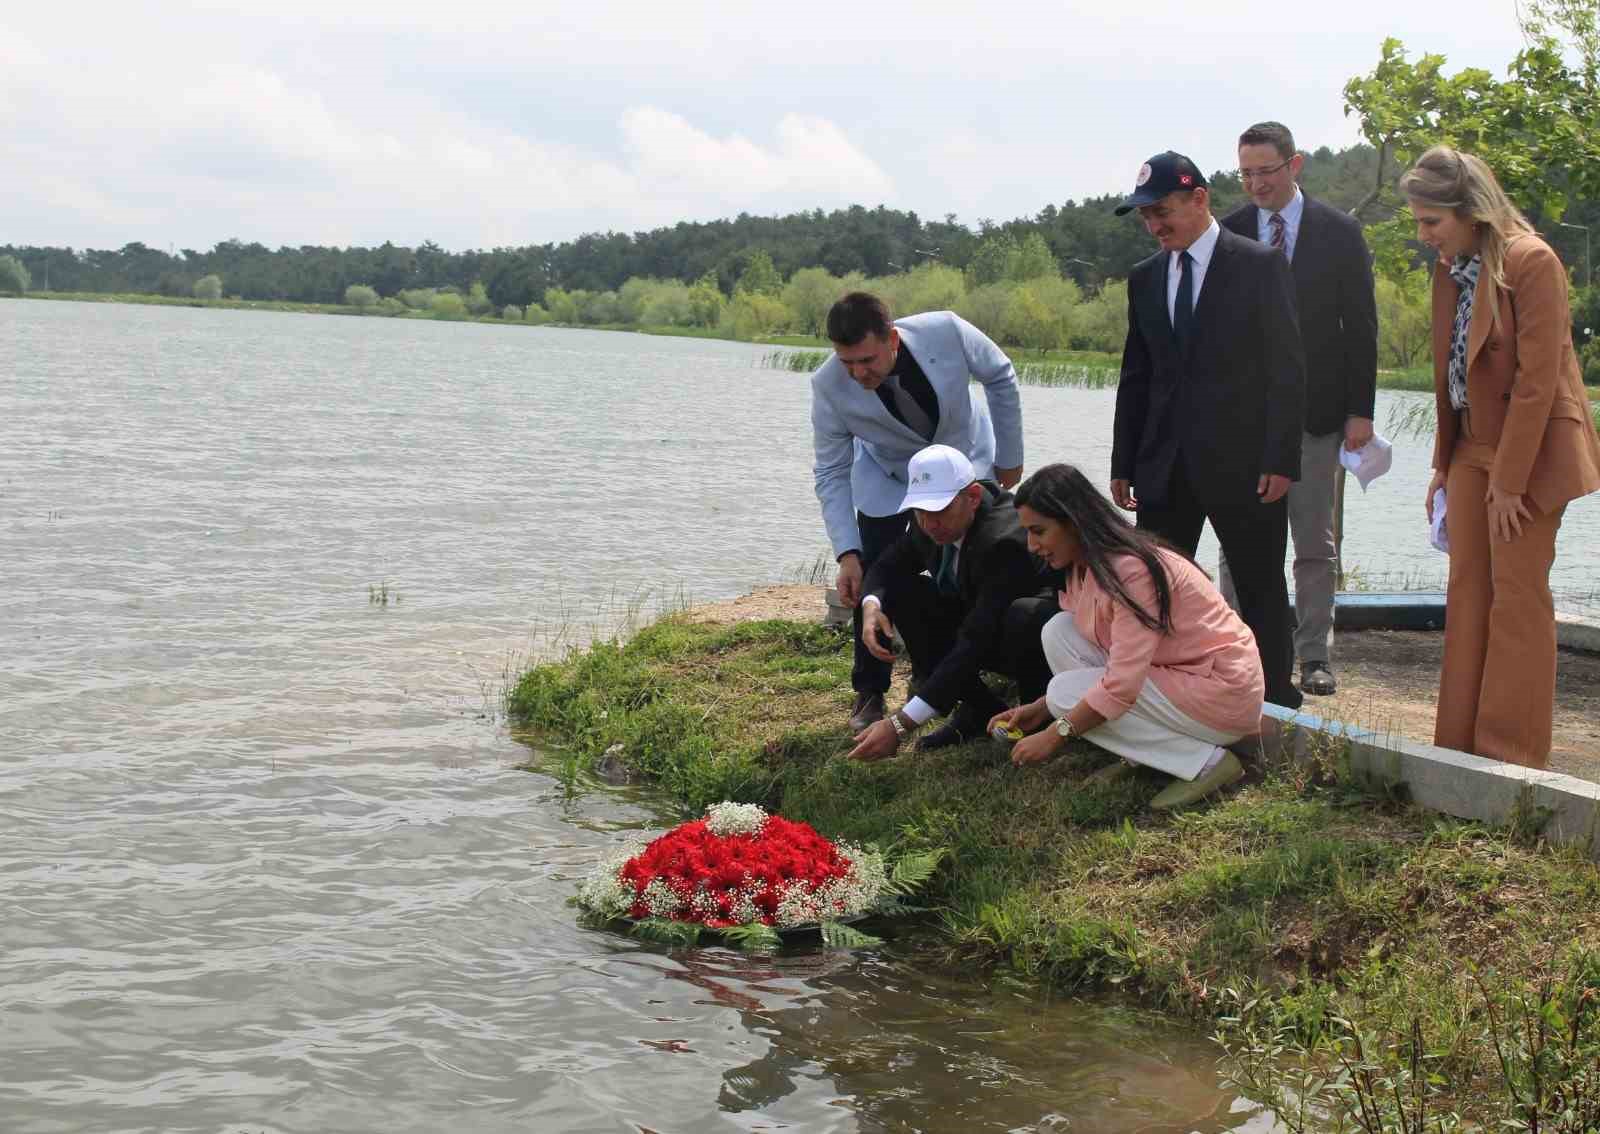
{"x": 261, "y": 305}
{"x": 189, "y": 301}
{"x": 1291, "y": 914}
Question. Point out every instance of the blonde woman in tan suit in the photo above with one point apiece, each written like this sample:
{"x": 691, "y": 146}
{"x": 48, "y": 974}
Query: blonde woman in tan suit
{"x": 1514, "y": 444}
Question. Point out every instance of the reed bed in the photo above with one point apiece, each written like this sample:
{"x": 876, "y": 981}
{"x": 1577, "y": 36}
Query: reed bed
{"x": 1073, "y": 375}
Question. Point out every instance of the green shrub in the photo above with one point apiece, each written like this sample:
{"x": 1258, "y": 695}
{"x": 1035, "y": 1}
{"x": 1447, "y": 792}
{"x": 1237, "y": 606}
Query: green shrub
{"x": 360, "y": 295}
{"x": 13, "y": 275}
{"x": 448, "y": 305}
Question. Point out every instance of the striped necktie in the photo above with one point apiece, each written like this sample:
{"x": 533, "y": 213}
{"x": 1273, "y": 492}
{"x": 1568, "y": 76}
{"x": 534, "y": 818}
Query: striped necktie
{"x": 1280, "y": 232}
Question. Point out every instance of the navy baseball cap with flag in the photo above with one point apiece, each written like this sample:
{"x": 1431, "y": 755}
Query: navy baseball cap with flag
{"x": 1167, "y": 172}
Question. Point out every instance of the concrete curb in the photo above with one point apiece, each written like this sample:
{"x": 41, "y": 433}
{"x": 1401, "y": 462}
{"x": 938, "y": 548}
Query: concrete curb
{"x": 1565, "y": 809}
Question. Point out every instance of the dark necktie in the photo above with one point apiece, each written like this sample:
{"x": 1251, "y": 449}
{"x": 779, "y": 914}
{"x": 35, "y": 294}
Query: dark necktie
{"x": 1183, "y": 308}
{"x": 911, "y": 412}
{"x": 945, "y": 580}
{"x": 1280, "y": 232}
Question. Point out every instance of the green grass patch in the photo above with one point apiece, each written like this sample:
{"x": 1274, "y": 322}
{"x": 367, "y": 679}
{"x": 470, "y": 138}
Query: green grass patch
{"x": 1296, "y": 893}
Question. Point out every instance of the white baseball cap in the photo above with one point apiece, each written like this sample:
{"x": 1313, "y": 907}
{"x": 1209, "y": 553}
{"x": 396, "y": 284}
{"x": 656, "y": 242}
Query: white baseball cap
{"x": 934, "y": 476}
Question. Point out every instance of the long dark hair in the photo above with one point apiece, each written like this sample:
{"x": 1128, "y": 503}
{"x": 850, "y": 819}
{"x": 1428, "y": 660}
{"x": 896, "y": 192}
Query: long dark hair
{"x": 1063, "y": 493}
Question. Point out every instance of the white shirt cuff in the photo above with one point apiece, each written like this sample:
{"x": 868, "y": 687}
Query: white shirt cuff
{"x": 919, "y": 711}
{"x": 873, "y": 599}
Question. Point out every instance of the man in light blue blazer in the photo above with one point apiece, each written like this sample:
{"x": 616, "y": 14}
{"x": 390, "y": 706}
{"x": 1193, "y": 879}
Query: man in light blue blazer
{"x": 892, "y": 388}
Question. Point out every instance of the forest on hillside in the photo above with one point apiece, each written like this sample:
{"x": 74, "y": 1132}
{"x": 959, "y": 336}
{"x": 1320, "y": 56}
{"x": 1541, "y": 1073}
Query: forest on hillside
{"x": 1089, "y": 244}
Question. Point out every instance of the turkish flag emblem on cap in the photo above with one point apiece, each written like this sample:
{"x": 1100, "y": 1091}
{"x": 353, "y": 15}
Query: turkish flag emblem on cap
{"x": 1184, "y": 179}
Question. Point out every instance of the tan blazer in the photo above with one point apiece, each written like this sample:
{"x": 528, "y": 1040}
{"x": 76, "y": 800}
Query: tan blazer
{"x": 1524, "y": 389}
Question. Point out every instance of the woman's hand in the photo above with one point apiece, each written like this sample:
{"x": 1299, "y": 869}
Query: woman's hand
{"x": 1435, "y": 483}
{"x": 1038, "y": 748}
{"x": 1024, "y": 717}
{"x": 1506, "y": 513}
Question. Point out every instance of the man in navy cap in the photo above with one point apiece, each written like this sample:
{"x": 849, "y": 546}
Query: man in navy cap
{"x": 1211, "y": 399}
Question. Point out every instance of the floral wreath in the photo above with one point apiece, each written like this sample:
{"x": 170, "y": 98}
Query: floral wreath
{"x": 751, "y": 877}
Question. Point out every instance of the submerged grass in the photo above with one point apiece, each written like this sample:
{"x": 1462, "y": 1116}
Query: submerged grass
{"x": 1303, "y": 895}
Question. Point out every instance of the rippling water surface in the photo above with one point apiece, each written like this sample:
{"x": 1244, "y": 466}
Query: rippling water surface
{"x": 266, "y": 860}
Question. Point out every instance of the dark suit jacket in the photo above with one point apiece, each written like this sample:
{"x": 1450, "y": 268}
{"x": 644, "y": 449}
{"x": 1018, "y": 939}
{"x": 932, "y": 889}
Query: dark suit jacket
{"x": 994, "y": 570}
{"x": 1338, "y": 313}
{"x": 1232, "y": 402}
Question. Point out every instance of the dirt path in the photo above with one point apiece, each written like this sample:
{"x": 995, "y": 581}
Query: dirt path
{"x": 1388, "y": 679}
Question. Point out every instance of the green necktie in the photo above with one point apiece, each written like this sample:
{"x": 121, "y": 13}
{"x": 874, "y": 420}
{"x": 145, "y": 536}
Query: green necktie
{"x": 945, "y": 580}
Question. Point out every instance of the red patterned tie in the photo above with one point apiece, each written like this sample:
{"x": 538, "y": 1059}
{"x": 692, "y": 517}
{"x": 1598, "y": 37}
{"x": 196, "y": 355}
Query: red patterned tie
{"x": 1279, "y": 232}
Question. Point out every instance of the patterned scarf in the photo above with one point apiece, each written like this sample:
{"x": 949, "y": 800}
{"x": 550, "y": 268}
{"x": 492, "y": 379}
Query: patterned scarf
{"x": 1465, "y": 273}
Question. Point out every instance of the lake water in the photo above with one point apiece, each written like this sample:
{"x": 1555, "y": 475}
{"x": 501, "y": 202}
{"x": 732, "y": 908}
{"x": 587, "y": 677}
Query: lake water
{"x": 267, "y": 860}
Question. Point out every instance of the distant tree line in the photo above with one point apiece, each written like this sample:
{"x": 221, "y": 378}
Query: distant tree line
{"x": 1050, "y": 280}
{"x": 1089, "y": 244}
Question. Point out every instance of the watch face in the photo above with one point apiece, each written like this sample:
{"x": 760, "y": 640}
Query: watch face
{"x": 1064, "y": 727}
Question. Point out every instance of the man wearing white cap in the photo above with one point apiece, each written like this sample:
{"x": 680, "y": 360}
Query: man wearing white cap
{"x": 891, "y": 387}
{"x": 965, "y": 594}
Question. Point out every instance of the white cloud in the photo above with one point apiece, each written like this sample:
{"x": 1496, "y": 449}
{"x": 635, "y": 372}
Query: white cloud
{"x": 810, "y": 160}
{"x": 396, "y": 119}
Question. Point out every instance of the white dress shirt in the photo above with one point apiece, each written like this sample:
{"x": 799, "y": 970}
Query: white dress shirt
{"x": 1292, "y": 212}
{"x": 1200, "y": 252}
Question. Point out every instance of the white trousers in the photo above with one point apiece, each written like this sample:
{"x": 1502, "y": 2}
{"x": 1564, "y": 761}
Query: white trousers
{"x": 1155, "y": 732}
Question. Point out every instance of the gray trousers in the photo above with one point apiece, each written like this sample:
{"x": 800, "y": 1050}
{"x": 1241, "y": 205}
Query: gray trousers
{"x": 1315, "y": 561}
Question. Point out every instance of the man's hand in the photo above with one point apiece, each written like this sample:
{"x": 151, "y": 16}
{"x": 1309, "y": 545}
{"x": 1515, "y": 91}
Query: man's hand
{"x": 1357, "y": 433}
{"x": 1271, "y": 487}
{"x": 874, "y": 622}
{"x": 1506, "y": 513}
{"x": 849, "y": 581}
{"x": 1008, "y": 477}
{"x": 1435, "y": 483}
{"x": 876, "y": 742}
{"x": 1122, "y": 495}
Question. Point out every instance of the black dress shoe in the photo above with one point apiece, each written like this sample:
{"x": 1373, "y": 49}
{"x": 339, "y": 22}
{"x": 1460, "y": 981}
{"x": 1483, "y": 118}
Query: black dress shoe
{"x": 944, "y": 736}
{"x": 868, "y": 710}
{"x": 958, "y": 728}
{"x": 1317, "y": 679}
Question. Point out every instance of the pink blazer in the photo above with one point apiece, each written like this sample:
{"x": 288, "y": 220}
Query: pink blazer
{"x": 1207, "y": 666}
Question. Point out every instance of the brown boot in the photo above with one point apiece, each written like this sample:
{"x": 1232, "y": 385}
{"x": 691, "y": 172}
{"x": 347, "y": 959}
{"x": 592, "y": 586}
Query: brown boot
{"x": 868, "y": 710}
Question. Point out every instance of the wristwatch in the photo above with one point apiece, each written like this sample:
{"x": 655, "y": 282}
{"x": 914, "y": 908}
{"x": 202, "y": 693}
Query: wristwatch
{"x": 900, "y": 729}
{"x": 1064, "y": 727}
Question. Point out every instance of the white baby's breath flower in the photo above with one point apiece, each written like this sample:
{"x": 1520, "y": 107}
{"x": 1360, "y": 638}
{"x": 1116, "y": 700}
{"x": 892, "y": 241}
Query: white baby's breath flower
{"x": 724, "y": 819}
{"x": 604, "y": 892}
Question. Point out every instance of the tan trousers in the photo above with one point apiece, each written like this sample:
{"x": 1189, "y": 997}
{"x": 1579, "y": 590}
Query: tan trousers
{"x": 1497, "y": 686}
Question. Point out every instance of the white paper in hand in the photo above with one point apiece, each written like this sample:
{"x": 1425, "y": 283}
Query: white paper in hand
{"x": 1437, "y": 535}
{"x": 1370, "y": 461}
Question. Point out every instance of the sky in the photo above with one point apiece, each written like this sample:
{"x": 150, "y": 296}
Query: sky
{"x": 488, "y": 124}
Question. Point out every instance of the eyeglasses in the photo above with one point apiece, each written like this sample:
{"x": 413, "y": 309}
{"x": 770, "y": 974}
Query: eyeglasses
{"x": 1264, "y": 171}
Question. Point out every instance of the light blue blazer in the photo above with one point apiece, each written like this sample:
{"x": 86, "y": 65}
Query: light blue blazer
{"x": 862, "y": 449}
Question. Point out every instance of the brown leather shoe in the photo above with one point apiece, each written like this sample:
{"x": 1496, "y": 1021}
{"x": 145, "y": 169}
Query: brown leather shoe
{"x": 868, "y": 710}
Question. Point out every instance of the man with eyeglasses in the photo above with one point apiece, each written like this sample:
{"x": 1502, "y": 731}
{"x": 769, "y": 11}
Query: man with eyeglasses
{"x": 1332, "y": 273}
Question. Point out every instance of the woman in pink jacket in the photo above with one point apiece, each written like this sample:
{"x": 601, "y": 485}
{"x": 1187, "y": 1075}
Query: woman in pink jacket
{"x": 1150, "y": 663}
